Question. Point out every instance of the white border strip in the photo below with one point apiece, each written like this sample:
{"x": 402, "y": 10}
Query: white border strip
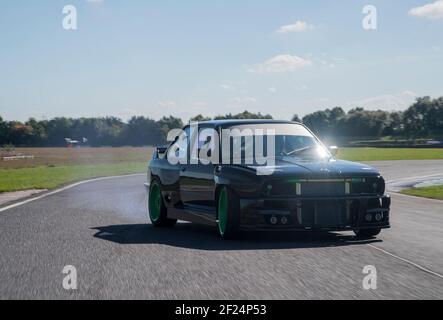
{"x": 407, "y": 261}
{"x": 413, "y": 178}
{"x": 66, "y": 188}
{"x": 436, "y": 201}
{"x": 398, "y": 193}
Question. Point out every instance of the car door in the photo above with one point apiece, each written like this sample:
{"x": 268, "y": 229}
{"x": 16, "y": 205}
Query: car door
{"x": 197, "y": 183}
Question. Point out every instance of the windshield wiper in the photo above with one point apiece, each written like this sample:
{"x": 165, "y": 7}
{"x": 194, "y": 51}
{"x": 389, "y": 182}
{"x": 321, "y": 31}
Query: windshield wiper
{"x": 299, "y": 150}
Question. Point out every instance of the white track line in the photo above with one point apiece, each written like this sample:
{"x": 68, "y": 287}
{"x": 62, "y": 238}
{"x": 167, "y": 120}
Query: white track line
{"x": 66, "y": 188}
{"x": 408, "y": 196}
{"x": 407, "y": 261}
{"x": 413, "y": 178}
{"x": 415, "y": 197}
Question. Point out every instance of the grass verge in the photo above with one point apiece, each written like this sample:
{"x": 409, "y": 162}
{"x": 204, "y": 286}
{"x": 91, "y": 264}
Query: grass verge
{"x": 380, "y": 154}
{"x": 50, "y": 177}
{"x": 434, "y": 192}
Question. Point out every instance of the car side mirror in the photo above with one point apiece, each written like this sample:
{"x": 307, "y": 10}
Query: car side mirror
{"x": 333, "y": 150}
{"x": 160, "y": 152}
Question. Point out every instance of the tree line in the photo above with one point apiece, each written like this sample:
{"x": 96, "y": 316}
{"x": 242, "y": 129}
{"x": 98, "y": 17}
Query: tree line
{"x": 424, "y": 119}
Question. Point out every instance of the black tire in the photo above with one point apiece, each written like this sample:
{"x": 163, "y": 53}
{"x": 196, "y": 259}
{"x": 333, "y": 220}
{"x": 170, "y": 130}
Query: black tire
{"x": 367, "y": 233}
{"x": 228, "y": 214}
{"x": 158, "y": 213}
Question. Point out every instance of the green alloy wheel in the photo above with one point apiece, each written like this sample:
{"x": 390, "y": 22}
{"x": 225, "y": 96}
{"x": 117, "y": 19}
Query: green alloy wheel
{"x": 158, "y": 213}
{"x": 228, "y": 214}
{"x": 222, "y": 211}
{"x": 155, "y": 199}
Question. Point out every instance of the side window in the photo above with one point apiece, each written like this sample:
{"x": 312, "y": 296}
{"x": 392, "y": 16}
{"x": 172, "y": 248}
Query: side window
{"x": 184, "y": 142}
{"x": 206, "y": 139}
{"x": 198, "y": 144}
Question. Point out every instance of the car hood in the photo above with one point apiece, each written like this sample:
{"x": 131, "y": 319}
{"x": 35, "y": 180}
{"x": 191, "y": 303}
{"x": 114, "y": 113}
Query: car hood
{"x": 289, "y": 166}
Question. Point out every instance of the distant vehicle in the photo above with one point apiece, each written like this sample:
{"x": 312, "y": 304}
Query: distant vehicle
{"x": 434, "y": 142}
{"x": 73, "y": 143}
{"x": 309, "y": 190}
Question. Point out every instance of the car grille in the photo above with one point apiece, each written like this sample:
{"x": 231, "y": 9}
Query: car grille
{"x": 324, "y": 213}
{"x": 321, "y": 188}
{"x": 325, "y": 187}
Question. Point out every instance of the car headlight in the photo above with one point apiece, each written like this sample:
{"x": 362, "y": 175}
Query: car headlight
{"x": 379, "y": 186}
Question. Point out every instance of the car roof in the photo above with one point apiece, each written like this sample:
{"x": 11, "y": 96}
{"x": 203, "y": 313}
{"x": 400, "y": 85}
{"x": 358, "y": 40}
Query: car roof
{"x": 236, "y": 122}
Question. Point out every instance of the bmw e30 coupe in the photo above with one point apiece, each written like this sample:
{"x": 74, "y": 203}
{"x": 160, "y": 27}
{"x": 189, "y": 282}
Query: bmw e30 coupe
{"x": 306, "y": 187}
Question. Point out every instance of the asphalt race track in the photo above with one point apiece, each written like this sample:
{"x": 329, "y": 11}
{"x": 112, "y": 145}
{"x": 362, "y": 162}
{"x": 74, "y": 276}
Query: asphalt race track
{"x": 102, "y": 229}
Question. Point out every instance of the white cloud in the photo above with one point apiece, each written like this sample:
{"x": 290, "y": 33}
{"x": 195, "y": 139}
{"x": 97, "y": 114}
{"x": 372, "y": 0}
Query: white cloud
{"x": 302, "y": 87}
{"x": 244, "y": 100}
{"x": 167, "y": 104}
{"x": 272, "y": 90}
{"x": 337, "y": 59}
{"x": 431, "y": 10}
{"x": 281, "y": 63}
{"x": 200, "y": 104}
{"x": 327, "y": 64}
{"x": 241, "y": 103}
{"x": 198, "y": 107}
{"x": 400, "y": 101}
{"x": 226, "y": 86}
{"x": 298, "y": 26}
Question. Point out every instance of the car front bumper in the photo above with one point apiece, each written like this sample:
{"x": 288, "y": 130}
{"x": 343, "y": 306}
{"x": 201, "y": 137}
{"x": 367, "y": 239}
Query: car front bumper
{"x": 315, "y": 214}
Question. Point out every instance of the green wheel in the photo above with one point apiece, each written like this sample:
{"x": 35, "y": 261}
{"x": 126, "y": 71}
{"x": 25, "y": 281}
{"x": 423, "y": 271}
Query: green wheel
{"x": 155, "y": 203}
{"x": 222, "y": 211}
{"x": 228, "y": 208}
{"x": 158, "y": 213}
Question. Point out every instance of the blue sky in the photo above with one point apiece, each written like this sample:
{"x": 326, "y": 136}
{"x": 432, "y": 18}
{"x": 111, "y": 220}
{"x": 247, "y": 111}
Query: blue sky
{"x": 182, "y": 58}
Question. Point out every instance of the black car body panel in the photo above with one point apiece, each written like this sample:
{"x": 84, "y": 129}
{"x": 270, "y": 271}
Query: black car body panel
{"x": 301, "y": 195}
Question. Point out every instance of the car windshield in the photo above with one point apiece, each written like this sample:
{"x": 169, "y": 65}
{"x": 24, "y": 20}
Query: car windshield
{"x": 289, "y": 140}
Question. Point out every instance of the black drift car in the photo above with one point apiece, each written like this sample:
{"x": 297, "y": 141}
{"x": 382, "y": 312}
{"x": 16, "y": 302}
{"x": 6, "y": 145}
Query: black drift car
{"x": 306, "y": 188}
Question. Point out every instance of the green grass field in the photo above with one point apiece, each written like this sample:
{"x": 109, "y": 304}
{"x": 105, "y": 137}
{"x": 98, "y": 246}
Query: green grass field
{"x": 42, "y": 177}
{"x": 435, "y": 192}
{"x": 379, "y": 154}
{"x": 53, "y": 167}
